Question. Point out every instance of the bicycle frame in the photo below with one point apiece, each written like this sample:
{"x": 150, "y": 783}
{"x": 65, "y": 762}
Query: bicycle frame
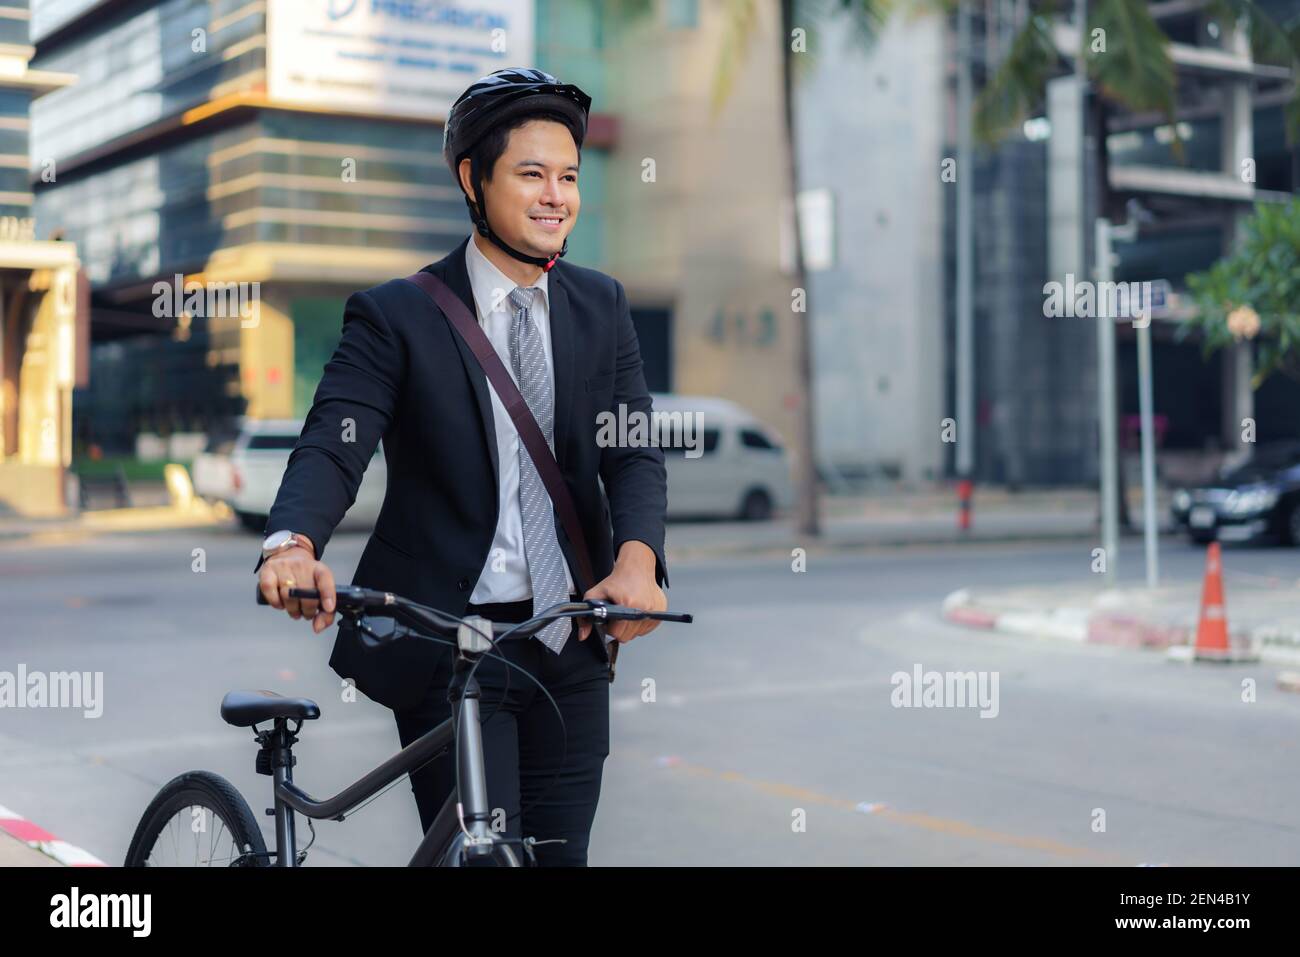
{"x": 464, "y": 696}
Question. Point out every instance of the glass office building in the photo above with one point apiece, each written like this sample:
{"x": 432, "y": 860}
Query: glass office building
{"x": 178, "y": 161}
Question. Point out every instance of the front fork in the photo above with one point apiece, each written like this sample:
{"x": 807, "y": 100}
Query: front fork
{"x": 473, "y": 814}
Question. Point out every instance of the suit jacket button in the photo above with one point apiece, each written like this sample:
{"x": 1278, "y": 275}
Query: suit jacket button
{"x": 463, "y": 584}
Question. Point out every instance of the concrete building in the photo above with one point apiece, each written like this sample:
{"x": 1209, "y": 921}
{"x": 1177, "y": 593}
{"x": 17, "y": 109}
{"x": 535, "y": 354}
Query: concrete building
{"x": 42, "y": 331}
{"x": 876, "y": 128}
{"x": 872, "y": 133}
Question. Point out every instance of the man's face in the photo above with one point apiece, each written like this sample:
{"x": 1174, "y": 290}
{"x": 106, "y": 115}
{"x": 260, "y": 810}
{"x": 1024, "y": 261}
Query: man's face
{"x": 535, "y": 179}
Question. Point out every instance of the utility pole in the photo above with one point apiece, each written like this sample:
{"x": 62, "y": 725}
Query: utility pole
{"x": 965, "y": 254}
{"x": 1107, "y": 235}
{"x": 1106, "y": 406}
{"x": 1148, "y": 449}
{"x": 1105, "y": 326}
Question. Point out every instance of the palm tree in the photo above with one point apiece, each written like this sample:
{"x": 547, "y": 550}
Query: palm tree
{"x": 1135, "y": 72}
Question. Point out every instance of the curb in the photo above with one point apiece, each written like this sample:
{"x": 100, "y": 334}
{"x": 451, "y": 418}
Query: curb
{"x": 1266, "y": 643}
{"x": 39, "y": 839}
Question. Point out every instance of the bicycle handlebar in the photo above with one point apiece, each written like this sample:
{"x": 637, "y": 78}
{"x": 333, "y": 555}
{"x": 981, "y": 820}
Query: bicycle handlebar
{"x": 352, "y": 598}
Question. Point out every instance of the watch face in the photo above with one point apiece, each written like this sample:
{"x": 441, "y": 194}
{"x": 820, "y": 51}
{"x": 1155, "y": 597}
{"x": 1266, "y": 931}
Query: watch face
{"x": 276, "y": 539}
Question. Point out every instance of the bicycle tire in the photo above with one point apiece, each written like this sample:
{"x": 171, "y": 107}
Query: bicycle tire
{"x": 224, "y": 804}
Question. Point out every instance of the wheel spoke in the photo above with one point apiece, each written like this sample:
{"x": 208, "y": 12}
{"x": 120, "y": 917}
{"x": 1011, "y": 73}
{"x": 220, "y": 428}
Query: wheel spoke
{"x": 171, "y": 848}
{"x": 210, "y": 828}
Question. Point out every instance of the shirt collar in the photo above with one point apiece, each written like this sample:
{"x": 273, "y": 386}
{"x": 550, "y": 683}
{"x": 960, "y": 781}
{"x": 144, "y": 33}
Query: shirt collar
{"x": 484, "y": 277}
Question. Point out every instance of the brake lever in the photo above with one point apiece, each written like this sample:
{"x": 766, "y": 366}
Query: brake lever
{"x": 372, "y": 639}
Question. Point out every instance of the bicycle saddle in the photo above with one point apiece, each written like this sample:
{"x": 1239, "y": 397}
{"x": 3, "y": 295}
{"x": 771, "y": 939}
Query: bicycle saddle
{"x": 245, "y": 708}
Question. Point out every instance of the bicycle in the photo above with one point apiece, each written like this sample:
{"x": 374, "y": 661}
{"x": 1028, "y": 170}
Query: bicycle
{"x": 209, "y": 808}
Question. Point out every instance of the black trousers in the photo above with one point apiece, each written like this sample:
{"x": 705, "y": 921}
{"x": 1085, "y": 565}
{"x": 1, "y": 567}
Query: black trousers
{"x": 524, "y": 744}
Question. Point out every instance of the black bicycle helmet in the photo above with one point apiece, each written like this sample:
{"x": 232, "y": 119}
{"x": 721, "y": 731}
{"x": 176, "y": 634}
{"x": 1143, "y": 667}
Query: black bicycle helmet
{"x": 492, "y": 100}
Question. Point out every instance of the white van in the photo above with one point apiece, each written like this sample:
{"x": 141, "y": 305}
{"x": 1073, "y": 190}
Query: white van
{"x": 725, "y": 465}
{"x": 257, "y": 464}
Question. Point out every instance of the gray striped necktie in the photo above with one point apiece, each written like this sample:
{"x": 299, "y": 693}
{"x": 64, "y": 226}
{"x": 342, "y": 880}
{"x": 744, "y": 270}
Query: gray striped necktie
{"x": 541, "y": 547}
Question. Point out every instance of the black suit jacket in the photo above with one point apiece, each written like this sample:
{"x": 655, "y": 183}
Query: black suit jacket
{"x": 402, "y": 374}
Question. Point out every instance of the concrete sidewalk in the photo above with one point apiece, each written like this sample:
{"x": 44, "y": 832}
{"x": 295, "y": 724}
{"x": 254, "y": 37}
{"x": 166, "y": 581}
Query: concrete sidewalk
{"x": 908, "y": 517}
{"x": 883, "y": 517}
{"x": 15, "y": 853}
{"x": 24, "y": 843}
{"x": 144, "y": 518}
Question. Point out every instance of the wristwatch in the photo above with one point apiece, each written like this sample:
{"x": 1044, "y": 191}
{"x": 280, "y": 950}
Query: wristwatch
{"x": 277, "y": 542}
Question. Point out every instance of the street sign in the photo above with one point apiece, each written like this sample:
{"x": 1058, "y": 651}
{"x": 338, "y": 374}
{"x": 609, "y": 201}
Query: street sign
{"x": 1163, "y": 298}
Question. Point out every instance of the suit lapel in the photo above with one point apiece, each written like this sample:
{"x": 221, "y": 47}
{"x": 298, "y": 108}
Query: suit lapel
{"x": 561, "y": 354}
{"x": 452, "y": 271}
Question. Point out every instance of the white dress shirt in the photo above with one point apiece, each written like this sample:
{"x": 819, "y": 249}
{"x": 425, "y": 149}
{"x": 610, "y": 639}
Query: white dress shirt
{"x": 505, "y": 574}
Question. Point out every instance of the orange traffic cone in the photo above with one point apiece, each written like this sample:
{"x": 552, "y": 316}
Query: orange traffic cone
{"x": 1212, "y": 628}
{"x": 1212, "y": 641}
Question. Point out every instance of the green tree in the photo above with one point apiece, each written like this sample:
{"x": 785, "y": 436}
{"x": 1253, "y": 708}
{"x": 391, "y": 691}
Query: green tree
{"x": 1255, "y": 292}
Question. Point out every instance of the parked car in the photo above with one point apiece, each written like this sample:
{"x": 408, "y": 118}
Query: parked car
{"x": 727, "y": 464}
{"x": 258, "y": 460}
{"x": 211, "y": 471}
{"x": 1258, "y": 499}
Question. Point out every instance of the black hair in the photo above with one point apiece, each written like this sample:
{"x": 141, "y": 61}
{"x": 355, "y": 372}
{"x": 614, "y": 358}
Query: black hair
{"x": 483, "y": 157}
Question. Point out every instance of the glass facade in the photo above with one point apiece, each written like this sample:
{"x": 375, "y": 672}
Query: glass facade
{"x": 283, "y": 177}
{"x": 137, "y": 65}
{"x": 146, "y": 195}
{"x": 15, "y": 102}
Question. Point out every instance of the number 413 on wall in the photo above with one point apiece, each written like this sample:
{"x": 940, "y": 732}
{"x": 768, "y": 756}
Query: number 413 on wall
{"x": 742, "y": 329}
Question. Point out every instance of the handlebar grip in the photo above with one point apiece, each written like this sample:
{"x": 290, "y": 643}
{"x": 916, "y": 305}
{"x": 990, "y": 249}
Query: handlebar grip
{"x": 308, "y": 593}
{"x": 624, "y": 613}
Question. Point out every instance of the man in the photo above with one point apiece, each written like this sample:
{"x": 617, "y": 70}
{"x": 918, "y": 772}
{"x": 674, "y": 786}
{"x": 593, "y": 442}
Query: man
{"x": 466, "y": 525}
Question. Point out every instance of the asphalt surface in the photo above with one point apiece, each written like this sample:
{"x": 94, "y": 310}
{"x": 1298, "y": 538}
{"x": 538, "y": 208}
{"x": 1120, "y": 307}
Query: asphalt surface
{"x": 772, "y": 738}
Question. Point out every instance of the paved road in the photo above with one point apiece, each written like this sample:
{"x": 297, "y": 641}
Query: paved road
{"x": 778, "y": 701}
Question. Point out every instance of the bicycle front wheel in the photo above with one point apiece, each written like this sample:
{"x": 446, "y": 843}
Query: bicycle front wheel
{"x": 198, "y": 820}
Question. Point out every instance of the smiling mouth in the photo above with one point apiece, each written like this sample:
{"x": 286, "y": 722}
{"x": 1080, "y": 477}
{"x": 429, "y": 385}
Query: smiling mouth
{"x": 549, "y": 220}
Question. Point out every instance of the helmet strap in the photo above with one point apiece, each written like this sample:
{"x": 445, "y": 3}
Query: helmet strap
{"x": 479, "y": 216}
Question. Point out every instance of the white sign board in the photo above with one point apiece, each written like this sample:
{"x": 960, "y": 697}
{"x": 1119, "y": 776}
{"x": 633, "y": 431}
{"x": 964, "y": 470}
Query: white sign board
{"x": 817, "y": 222}
{"x": 817, "y": 227}
{"x": 399, "y": 57}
